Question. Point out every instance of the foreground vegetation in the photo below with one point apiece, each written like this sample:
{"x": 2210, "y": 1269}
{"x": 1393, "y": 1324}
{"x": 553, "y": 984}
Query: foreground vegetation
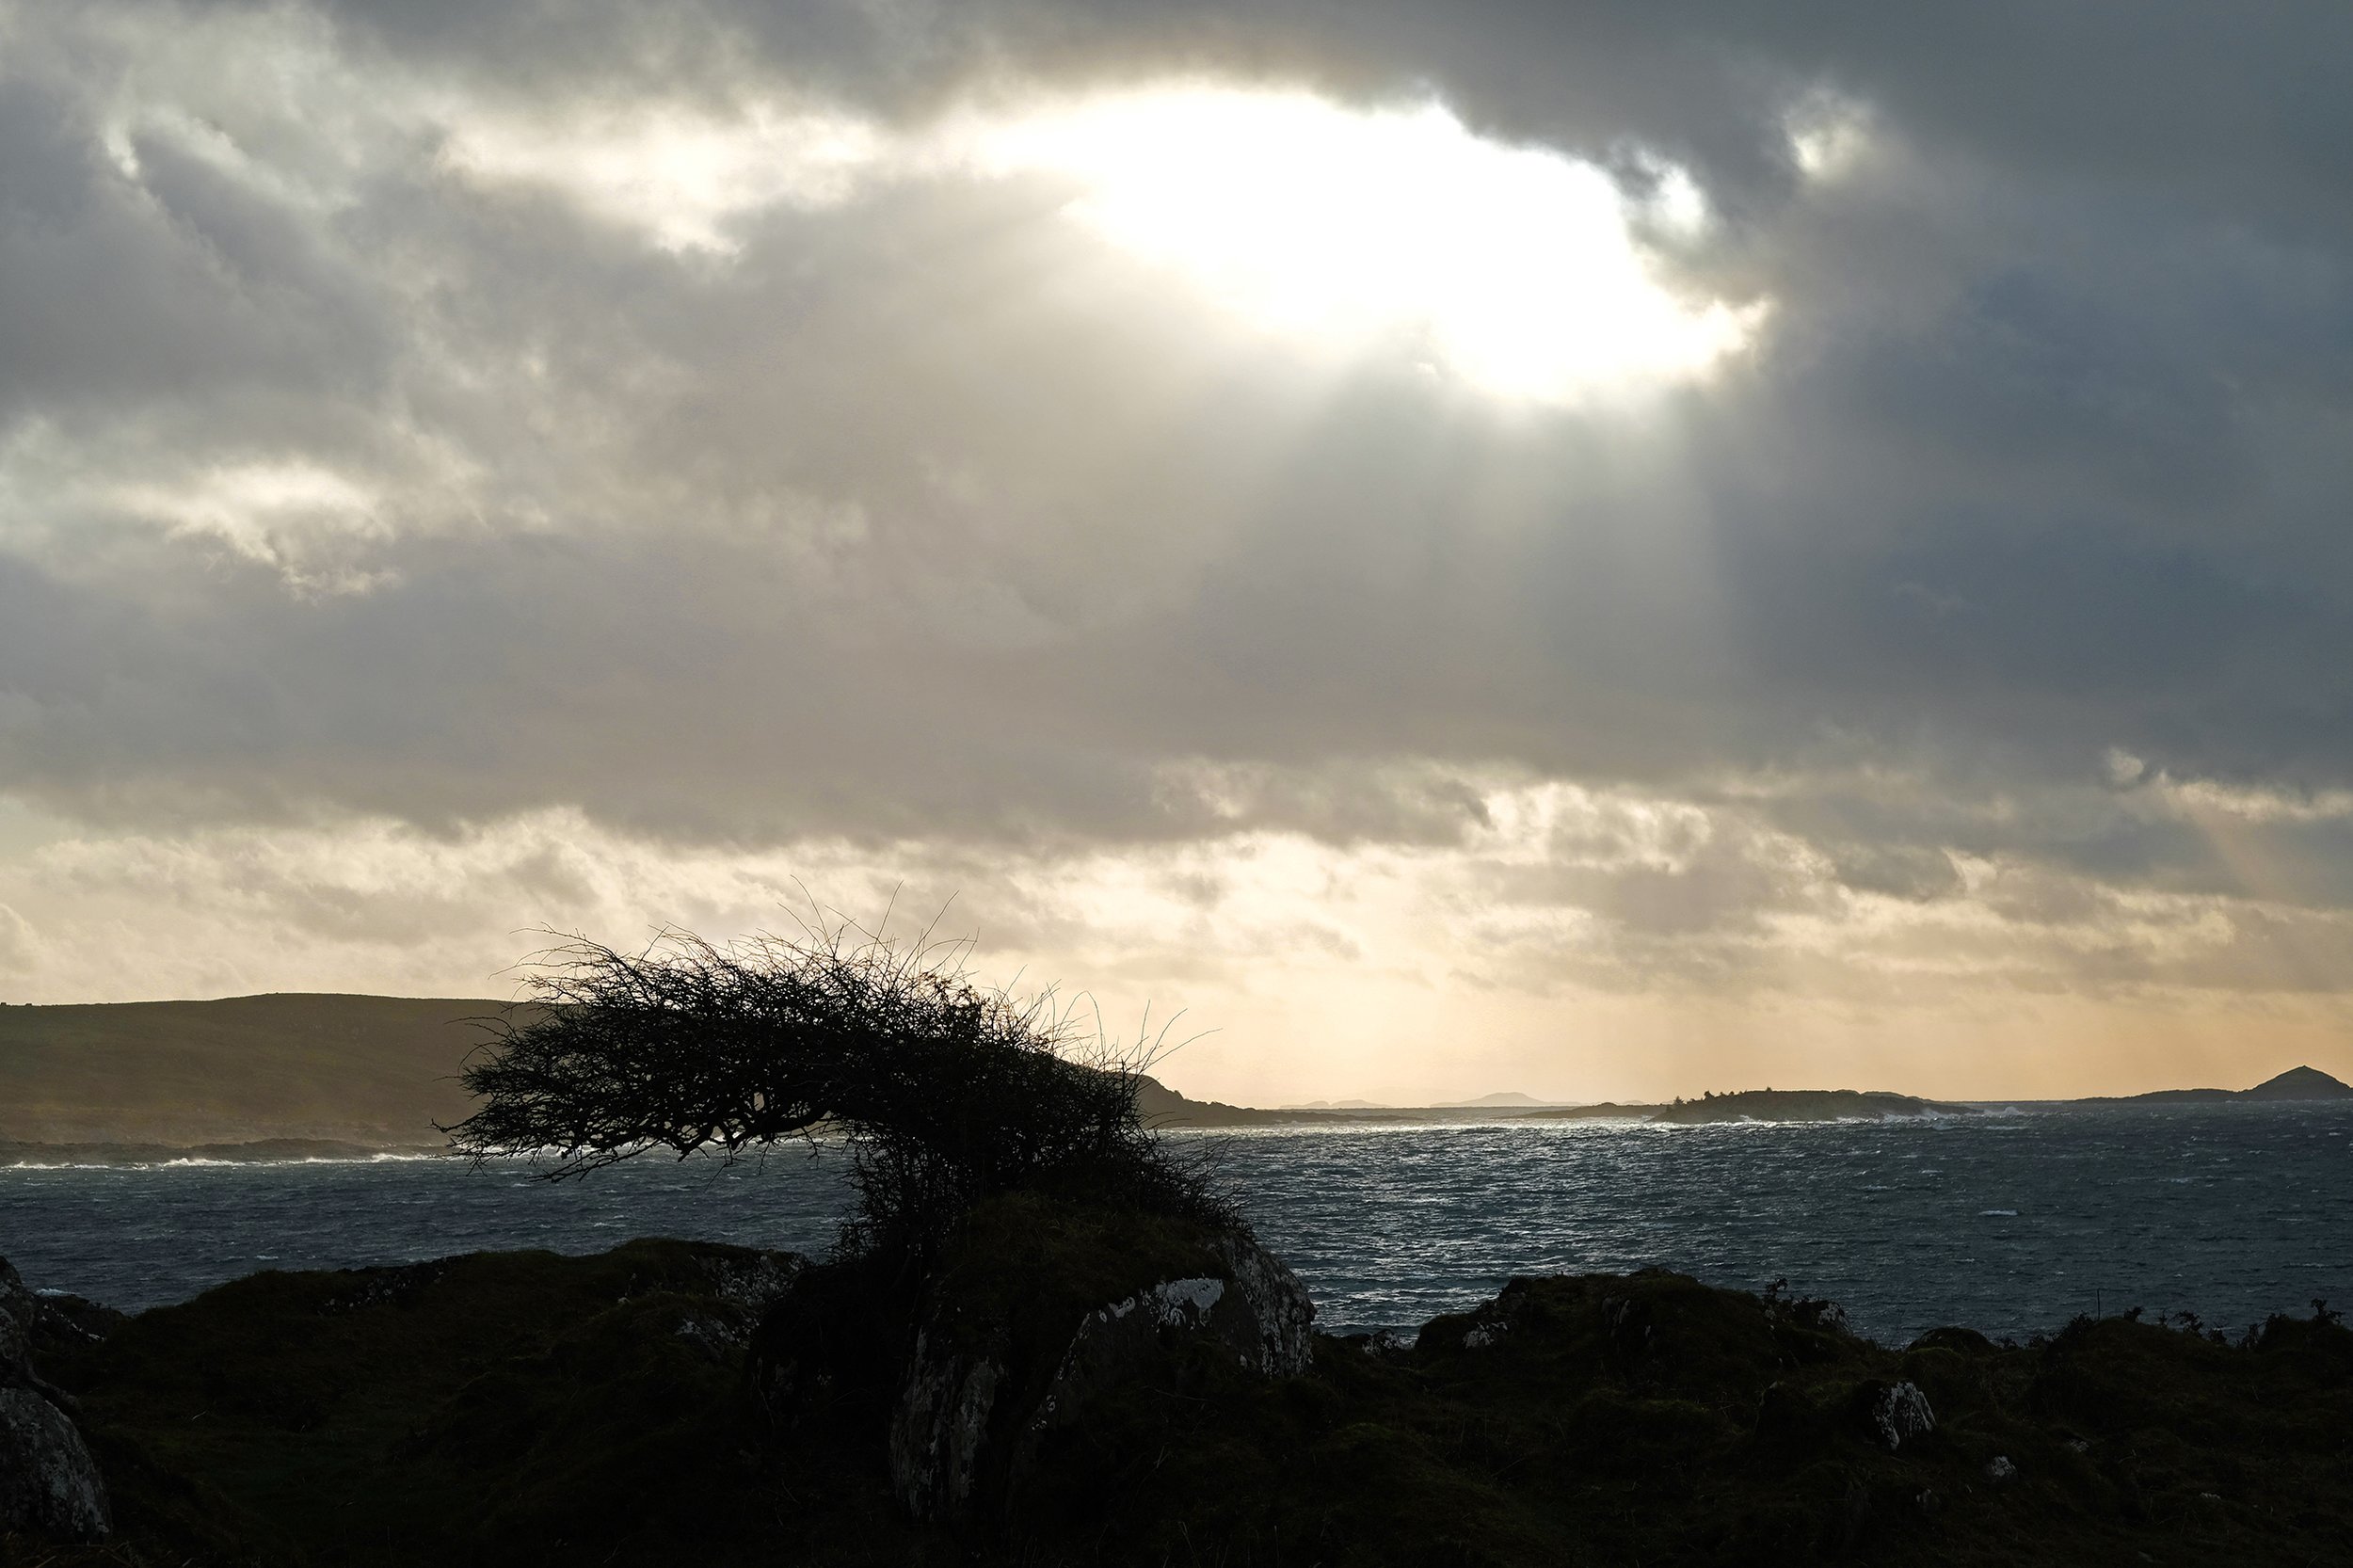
{"x": 524, "y": 1408}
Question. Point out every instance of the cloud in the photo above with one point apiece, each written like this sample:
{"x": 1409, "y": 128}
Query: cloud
{"x": 834, "y": 437}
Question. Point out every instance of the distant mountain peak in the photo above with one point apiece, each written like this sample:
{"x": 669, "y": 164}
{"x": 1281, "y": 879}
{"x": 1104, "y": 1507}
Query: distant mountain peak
{"x": 1501, "y": 1096}
{"x": 2300, "y": 1083}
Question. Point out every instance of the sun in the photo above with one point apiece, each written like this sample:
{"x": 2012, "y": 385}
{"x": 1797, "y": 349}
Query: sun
{"x": 1520, "y": 270}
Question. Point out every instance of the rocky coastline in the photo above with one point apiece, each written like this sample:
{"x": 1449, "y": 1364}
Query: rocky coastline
{"x": 1075, "y": 1385}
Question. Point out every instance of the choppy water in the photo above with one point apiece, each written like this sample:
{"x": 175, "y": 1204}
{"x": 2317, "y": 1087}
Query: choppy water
{"x": 2010, "y": 1224}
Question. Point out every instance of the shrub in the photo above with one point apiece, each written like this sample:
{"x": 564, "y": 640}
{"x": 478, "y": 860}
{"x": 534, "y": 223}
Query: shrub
{"x": 945, "y": 1092}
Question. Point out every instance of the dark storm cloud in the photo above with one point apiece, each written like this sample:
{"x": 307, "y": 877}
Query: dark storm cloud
{"x": 889, "y": 523}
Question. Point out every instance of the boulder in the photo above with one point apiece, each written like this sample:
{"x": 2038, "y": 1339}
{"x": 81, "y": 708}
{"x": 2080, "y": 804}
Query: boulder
{"x": 1042, "y": 1313}
{"x": 942, "y": 1424}
{"x": 1894, "y": 1414}
{"x": 1278, "y": 1309}
{"x": 49, "y": 1484}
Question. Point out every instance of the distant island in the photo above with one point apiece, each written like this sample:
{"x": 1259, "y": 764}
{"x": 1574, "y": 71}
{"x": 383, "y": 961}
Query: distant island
{"x": 1753, "y": 1105}
{"x": 296, "y": 1076}
{"x": 1807, "y": 1104}
{"x": 2296, "y": 1083}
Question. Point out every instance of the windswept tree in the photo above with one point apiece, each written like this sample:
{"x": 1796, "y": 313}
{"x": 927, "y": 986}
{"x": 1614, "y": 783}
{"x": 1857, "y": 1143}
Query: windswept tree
{"x": 946, "y": 1092}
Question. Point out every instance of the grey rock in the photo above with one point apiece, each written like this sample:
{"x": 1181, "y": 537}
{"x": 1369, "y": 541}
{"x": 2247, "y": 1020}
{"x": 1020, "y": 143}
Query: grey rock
{"x": 1999, "y": 1469}
{"x": 1898, "y": 1413}
{"x": 942, "y": 1426}
{"x": 1278, "y": 1304}
{"x": 49, "y": 1484}
{"x": 16, "y": 1349}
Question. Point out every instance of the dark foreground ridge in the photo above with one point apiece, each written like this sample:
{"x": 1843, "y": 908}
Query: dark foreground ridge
{"x": 1079, "y": 1385}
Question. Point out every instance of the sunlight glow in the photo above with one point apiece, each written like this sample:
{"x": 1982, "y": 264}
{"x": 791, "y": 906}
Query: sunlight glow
{"x": 1517, "y": 268}
{"x": 1520, "y": 271}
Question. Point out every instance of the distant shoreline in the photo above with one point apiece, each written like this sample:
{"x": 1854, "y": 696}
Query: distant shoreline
{"x": 31, "y": 1154}
{"x": 1164, "y": 1107}
{"x": 290, "y": 1076}
{"x": 1172, "y": 1113}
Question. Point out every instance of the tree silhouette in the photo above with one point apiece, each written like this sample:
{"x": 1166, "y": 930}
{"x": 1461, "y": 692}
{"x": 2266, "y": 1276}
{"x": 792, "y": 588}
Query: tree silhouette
{"x": 946, "y": 1092}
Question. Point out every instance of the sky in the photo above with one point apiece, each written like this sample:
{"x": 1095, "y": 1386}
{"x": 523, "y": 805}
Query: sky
{"x": 1607, "y": 550}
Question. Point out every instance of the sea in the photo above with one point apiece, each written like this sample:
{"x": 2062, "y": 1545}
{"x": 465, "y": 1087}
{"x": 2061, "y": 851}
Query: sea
{"x": 2009, "y": 1222}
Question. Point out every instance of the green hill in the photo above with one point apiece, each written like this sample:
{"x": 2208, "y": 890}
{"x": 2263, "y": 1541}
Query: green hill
{"x": 374, "y": 1070}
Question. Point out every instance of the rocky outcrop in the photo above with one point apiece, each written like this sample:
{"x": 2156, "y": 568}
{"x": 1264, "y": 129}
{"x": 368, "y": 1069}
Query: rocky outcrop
{"x": 996, "y": 1379}
{"x": 49, "y": 1484}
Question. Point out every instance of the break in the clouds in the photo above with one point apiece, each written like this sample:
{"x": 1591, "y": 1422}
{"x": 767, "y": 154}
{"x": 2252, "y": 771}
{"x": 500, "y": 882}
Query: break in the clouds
{"x": 1606, "y": 553}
